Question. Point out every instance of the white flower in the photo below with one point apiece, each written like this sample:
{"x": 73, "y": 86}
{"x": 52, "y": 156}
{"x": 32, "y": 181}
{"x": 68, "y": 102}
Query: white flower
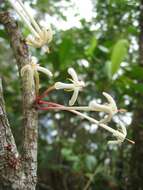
{"x": 41, "y": 35}
{"x": 117, "y": 134}
{"x": 45, "y": 36}
{"x": 109, "y": 107}
{"x": 75, "y": 86}
{"x": 34, "y": 67}
{"x": 32, "y": 70}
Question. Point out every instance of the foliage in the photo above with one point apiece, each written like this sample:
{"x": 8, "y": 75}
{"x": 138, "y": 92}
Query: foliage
{"x": 118, "y": 53}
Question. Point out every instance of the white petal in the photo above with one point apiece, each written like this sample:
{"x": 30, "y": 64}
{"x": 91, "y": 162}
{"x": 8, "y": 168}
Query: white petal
{"x": 44, "y": 70}
{"x": 111, "y": 102}
{"x": 61, "y": 85}
{"x": 73, "y": 74}
{"x": 31, "y": 41}
{"x": 50, "y": 34}
{"x": 74, "y": 97}
{"x": 46, "y": 35}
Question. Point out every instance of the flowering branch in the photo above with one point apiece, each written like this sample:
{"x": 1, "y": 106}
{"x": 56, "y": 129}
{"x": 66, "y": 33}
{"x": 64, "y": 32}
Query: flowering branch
{"x": 41, "y": 37}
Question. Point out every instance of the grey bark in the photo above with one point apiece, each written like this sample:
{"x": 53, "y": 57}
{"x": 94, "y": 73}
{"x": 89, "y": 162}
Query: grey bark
{"x": 26, "y": 168}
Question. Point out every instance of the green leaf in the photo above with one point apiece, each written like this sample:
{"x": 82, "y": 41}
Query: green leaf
{"x": 91, "y": 48}
{"x": 65, "y": 52}
{"x": 108, "y": 69}
{"x": 118, "y": 54}
{"x": 90, "y": 162}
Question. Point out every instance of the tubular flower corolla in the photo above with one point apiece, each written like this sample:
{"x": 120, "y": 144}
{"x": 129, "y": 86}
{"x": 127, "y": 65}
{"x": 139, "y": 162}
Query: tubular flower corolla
{"x": 75, "y": 86}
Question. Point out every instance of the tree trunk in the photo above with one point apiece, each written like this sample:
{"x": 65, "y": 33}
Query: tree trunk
{"x": 18, "y": 171}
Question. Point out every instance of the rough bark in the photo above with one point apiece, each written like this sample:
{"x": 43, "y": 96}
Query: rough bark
{"x": 28, "y": 160}
{"x": 136, "y": 172}
{"x": 10, "y": 167}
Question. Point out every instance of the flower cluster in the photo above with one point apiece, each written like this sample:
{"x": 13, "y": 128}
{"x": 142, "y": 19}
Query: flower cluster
{"x": 109, "y": 108}
{"x": 40, "y": 37}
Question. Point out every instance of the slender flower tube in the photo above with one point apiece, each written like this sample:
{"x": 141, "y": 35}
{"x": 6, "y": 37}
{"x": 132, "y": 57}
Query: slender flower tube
{"x": 119, "y": 134}
{"x": 41, "y": 35}
{"x": 75, "y": 86}
{"x": 110, "y": 108}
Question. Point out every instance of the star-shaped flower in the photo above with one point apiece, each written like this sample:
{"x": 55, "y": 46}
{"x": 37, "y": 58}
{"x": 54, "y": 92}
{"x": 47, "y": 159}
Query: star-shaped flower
{"x": 110, "y": 107}
{"x": 75, "y": 86}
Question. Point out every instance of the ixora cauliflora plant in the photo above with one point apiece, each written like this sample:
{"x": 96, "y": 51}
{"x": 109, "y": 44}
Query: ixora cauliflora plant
{"x": 41, "y": 37}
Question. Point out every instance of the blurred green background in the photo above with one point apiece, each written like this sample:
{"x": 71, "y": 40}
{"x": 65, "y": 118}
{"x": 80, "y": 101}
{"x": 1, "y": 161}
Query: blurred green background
{"x": 102, "y": 40}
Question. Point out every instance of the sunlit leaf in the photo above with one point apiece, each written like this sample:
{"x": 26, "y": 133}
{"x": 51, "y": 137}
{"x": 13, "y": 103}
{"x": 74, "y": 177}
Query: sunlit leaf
{"x": 118, "y": 55}
{"x": 108, "y": 68}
